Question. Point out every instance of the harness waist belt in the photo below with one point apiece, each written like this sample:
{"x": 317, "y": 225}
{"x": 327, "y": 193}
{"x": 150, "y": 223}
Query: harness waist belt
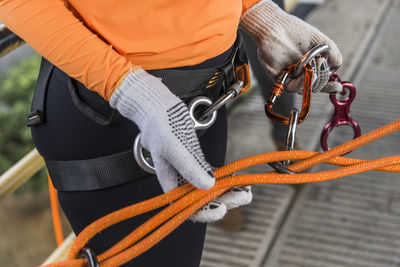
{"x": 116, "y": 169}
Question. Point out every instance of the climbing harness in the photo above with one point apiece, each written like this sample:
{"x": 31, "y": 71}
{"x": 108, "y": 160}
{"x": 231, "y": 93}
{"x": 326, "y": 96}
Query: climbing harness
{"x": 342, "y": 114}
{"x": 185, "y": 200}
{"x": 119, "y": 168}
{"x": 239, "y": 83}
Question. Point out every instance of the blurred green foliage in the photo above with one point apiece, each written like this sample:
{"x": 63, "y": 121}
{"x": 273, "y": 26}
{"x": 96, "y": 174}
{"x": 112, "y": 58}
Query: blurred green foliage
{"x": 16, "y": 90}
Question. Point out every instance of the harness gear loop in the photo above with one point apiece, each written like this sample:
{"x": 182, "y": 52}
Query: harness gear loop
{"x": 342, "y": 114}
{"x": 243, "y": 74}
{"x": 293, "y": 71}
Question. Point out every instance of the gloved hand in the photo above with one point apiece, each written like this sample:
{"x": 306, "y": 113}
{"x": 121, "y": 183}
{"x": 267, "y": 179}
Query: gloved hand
{"x": 168, "y": 134}
{"x": 282, "y": 41}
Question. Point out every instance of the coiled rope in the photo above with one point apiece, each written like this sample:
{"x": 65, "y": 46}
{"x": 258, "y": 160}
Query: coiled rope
{"x": 186, "y": 200}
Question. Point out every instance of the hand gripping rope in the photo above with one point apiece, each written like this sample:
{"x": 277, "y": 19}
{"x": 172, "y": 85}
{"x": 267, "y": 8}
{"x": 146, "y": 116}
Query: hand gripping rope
{"x": 186, "y": 200}
{"x": 183, "y": 201}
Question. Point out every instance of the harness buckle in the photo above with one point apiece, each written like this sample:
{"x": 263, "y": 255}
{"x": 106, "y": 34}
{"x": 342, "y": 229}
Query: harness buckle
{"x": 35, "y": 117}
{"x": 238, "y": 69}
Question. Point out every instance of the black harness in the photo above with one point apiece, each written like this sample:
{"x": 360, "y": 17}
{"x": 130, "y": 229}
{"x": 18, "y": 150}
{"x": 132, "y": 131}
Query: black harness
{"x": 115, "y": 169}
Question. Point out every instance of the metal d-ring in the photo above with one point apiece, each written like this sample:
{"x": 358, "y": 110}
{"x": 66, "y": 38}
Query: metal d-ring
{"x": 306, "y": 59}
{"x": 208, "y": 121}
{"x": 138, "y": 153}
{"x": 138, "y": 150}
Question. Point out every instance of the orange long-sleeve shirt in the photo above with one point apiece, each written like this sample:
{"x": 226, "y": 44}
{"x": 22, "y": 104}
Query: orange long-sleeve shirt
{"x": 97, "y": 41}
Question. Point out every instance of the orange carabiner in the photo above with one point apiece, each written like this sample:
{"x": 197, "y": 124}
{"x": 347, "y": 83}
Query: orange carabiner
{"x": 278, "y": 89}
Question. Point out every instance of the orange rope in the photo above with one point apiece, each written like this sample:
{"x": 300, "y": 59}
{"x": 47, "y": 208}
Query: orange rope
{"x": 187, "y": 200}
{"x": 55, "y": 212}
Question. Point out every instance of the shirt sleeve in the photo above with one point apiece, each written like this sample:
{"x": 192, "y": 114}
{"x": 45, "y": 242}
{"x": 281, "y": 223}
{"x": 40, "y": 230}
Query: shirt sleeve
{"x": 246, "y": 4}
{"x": 55, "y": 33}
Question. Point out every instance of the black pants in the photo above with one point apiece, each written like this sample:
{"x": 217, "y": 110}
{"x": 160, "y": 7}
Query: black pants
{"x": 69, "y": 135}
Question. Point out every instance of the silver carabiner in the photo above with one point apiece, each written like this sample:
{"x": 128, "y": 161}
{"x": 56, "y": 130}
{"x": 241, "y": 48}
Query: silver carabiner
{"x": 138, "y": 150}
{"x": 233, "y": 91}
{"x": 201, "y": 124}
{"x": 138, "y": 153}
{"x": 291, "y": 134}
{"x": 312, "y": 53}
{"x": 280, "y": 167}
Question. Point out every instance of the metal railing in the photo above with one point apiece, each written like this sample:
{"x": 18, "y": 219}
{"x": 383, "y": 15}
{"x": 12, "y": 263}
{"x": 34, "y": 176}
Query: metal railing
{"x": 8, "y": 41}
{"x": 32, "y": 162}
{"x": 19, "y": 173}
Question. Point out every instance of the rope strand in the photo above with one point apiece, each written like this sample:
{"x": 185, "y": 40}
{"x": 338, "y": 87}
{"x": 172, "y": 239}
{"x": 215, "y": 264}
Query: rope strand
{"x": 187, "y": 200}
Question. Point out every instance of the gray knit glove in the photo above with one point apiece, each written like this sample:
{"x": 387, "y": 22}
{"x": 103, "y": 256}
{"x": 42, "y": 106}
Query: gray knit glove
{"x": 168, "y": 134}
{"x": 283, "y": 39}
{"x": 167, "y": 130}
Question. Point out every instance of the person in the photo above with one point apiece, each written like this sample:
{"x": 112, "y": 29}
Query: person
{"x": 117, "y": 68}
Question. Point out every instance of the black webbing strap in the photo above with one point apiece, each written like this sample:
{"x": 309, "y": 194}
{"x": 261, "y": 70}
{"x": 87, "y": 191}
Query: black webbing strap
{"x": 95, "y": 173}
{"x": 116, "y": 169}
{"x": 37, "y": 114}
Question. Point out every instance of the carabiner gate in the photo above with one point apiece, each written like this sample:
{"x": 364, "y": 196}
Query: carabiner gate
{"x": 292, "y": 72}
{"x": 278, "y": 89}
